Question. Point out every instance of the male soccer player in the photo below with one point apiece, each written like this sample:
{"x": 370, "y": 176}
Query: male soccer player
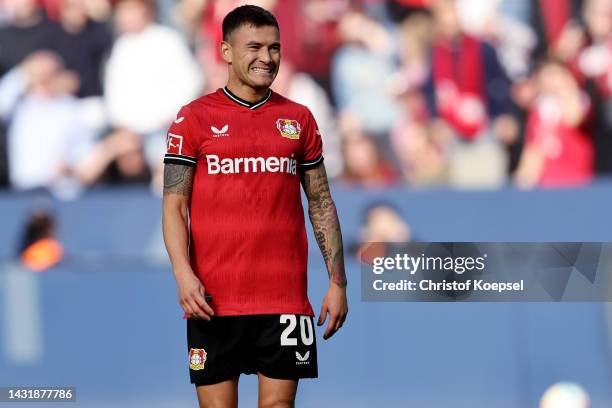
{"x": 234, "y": 225}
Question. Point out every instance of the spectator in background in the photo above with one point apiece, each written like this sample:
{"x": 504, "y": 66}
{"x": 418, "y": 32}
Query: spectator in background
{"x": 97, "y": 10}
{"x": 417, "y": 144}
{"x": 117, "y": 159}
{"x": 189, "y": 18}
{"x": 39, "y": 249}
{"x": 558, "y": 150}
{"x": 47, "y": 141}
{"x": 414, "y": 52}
{"x": 314, "y": 52}
{"x": 468, "y": 91}
{"x": 595, "y": 63}
{"x": 510, "y": 35}
{"x": 429, "y": 94}
{"x": 301, "y": 88}
{"x": 382, "y": 222}
{"x": 420, "y": 149}
{"x": 149, "y": 73}
{"x": 83, "y": 44}
{"x": 26, "y": 31}
{"x": 382, "y": 226}
{"x": 502, "y": 24}
{"x": 364, "y": 164}
{"x": 557, "y": 25}
{"x": 361, "y": 70}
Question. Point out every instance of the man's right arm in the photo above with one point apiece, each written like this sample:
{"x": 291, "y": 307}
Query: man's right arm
{"x": 178, "y": 184}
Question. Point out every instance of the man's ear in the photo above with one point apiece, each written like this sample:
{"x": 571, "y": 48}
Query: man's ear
{"x": 226, "y": 52}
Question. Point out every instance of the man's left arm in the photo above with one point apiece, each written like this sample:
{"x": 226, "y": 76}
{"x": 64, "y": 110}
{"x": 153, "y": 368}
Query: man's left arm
{"x": 324, "y": 219}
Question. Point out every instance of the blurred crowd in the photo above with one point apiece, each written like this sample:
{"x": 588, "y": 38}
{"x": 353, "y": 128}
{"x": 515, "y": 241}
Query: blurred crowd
{"x": 459, "y": 93}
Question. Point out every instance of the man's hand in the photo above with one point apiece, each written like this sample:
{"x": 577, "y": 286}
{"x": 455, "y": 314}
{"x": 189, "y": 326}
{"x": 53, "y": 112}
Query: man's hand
{"x": 191, "y": 295}
{"x": 334, "y": 304}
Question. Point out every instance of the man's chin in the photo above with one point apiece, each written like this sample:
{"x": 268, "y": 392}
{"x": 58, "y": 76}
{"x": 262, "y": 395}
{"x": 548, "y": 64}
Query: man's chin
{"x": 261, "y": 82}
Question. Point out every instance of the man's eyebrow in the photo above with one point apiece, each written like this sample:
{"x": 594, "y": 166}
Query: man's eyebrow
{"x": 258, "y": 44}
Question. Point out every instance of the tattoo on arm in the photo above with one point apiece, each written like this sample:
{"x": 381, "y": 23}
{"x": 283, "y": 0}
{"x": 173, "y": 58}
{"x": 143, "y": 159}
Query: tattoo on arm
{"x": 324, "y": 218}
{"x": 178, "y": 179}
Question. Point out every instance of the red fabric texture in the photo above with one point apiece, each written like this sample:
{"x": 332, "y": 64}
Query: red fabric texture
{"x": 248, "y": 240}
{"x": 556, "y": 14}
{"x": 458, "y": 74}
{"x": 567, "y": 150}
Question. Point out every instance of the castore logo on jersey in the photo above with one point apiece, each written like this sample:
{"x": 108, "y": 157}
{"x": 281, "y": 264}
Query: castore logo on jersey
{"x": 220, "y": 132}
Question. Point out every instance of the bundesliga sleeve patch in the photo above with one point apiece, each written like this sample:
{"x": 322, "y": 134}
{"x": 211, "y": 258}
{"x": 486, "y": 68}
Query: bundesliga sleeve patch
{"x": 174, "y": 151}
{"x": 174, "y": 144}
{"x": 197, "y": 358}
{"x": 181, "y": 140}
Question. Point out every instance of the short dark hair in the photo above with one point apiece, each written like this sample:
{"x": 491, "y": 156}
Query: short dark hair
{"x": 247, "y": 15}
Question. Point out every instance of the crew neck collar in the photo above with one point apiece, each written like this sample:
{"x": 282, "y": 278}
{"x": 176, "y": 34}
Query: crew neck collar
{"x": 247, "y": 104}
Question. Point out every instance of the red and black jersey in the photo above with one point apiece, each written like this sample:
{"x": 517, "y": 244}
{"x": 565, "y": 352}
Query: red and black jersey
{"x": 247, "y": 232}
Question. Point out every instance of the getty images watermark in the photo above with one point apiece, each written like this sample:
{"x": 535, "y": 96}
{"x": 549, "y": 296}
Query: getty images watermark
{"x": 458, "y": 265}
{"x": 486, "y": 271}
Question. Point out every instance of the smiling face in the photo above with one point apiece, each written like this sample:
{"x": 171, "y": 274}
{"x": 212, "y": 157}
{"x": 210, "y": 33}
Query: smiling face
{"x": 253, "y": 55}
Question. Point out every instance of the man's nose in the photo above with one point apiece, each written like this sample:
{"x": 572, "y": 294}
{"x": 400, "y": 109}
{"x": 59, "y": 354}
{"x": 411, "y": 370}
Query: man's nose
{"x": 264, "y": 55}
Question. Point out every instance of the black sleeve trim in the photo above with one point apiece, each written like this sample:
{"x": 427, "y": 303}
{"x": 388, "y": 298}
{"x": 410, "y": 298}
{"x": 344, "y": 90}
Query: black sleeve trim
{"x": 312, "y": 163}
{"x": 177, "y": 159}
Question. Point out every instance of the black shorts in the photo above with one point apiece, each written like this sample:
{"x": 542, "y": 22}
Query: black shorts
{"x": 277, "y": 346}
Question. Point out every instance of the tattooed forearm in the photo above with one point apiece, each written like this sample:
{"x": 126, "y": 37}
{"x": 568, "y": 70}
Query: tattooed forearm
{"x": 178, "y": 179}
{"x": 324, "y": 218}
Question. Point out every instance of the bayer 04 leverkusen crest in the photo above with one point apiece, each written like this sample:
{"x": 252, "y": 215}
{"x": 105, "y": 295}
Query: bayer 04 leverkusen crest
{"x": 289, "y": 128}
{"x": 197, "y": 358}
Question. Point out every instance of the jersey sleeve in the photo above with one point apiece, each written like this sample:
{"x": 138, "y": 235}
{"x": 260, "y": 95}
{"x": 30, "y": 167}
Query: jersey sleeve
{"x": 313, "y": 146}
{"x": 181, "y": 140}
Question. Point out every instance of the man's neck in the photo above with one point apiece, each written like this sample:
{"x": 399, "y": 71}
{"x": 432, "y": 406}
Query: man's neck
{"x": 246, "y": 92}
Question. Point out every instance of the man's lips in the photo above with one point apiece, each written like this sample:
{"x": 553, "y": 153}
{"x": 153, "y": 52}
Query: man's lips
{"x": 263, "y": 70}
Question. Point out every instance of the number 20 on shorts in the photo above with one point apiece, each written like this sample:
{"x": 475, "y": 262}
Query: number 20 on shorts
{"x": 306, "y": 330}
